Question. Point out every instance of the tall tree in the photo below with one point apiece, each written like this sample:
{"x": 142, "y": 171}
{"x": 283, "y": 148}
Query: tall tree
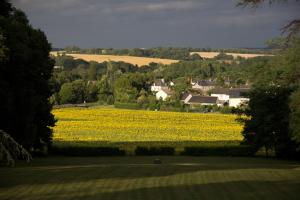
{"x": 74, "y": 92}
{"x": 274, "y": 112}
{"x": 105, "y": 92}
{"x": 92, "y": 72}
{"x": 269, "y": 123}
{"x": 124, "y": 91}
{"x": 3, "y": 49}
{"x": 295, "y": 117}
{"x": 24, "y": 75}
{"x": 274, "y": 105}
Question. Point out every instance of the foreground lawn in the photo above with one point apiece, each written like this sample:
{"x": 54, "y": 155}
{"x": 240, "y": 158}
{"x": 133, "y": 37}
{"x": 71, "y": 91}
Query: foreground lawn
{"x": 137, "y": 178}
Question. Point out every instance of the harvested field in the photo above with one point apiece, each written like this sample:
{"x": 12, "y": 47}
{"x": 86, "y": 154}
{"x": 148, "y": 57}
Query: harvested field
{"x": 139, "y": 61}
{"x": 235, "y": 55}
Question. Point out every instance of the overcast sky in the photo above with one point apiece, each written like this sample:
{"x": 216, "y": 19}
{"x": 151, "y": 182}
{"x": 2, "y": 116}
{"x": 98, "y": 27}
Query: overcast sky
{"x": 152, "y": 23}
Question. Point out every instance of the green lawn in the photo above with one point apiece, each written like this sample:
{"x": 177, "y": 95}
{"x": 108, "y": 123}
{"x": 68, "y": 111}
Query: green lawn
{"x": 137, "y": 178}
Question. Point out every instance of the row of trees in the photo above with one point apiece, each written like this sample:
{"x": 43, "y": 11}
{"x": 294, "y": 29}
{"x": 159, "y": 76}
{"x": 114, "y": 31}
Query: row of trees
{"x": 180, "y": 53}
{"x": 159, "y": 52}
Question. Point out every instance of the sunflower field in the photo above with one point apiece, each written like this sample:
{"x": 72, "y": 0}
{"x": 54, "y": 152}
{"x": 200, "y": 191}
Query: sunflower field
{"x": 110, "y": 125}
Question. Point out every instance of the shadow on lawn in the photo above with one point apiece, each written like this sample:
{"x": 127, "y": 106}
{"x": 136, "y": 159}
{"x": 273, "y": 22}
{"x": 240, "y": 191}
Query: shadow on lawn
{"x": 229, "y": 190}
{"x": 238, "y": 190}
{"x": 72, "y": 170}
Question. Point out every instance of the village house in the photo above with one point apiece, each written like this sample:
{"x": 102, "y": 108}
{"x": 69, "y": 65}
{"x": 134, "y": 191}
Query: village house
{"x": 201, "y": 100}
{"x": 221, "y": 93}
{"x": 159, "y": 85}
{"x": 193, "y": 99}
{"x": 203, "y": 85}
{"x": 163, "y": 94}
{"x": 233, "y": 97}
{"x": 238, "y": 97}
{"x": 58, "y": 67}
{"x": 186, "y": 97}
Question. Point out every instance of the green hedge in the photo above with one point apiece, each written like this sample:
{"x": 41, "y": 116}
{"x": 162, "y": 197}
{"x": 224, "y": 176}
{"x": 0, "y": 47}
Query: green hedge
{"x": 87, "y": 151}
{"x": 241, "y": 150}
{"x": 134, "y": 106}
{"x": 219, "y": 151}
{"x": 152, "y": 151}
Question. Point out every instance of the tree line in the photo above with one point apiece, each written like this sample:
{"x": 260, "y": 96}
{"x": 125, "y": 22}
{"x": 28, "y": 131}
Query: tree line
{"x": 176, "y": 53}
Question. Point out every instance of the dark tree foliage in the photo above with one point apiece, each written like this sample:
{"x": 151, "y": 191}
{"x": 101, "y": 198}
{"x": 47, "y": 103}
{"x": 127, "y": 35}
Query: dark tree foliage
{"x": 128, "y": 86}
{"x": 24, "y": 75}
{"x": 3, "y": 48}
{"x": 195, "y": 69}
{"x": 269, "y": 123}
{"x": 74, "y": 92}
{"x": 5, "y": 8}
{"x": 274, "y": 105}
{"x": 295, "y": 116}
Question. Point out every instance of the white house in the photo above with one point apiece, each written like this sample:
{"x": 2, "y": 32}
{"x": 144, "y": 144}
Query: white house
{"x": 236, "y": 102}
{"x": 163, "y": 94}
{"x": 171, "y": 83}
{"x": 203, "y": 85}
{"x": 232, "y": 96}
{"x": 58, "y": 67}
{"x": 158, "y": 85}
{"x": 238, "y": 97}
{"x": 221, "y": 97}
{"x": 221, "y": 93}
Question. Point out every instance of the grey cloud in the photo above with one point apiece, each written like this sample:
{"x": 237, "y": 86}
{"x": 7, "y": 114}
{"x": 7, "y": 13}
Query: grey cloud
{"x": 109, "y": 7}
{"x": 147, "y": 23}
{"x": 42, "y": 5}
{"x": 246, "y": 19}
{"x": 159, "y": 6}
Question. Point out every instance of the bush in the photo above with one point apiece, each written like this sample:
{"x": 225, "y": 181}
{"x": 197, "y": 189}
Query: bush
{"x": 219, "y": 151}
{"x": 87, "y": 151}
{"x": 152, "y": 151}
{"x": 134, "y": 106}
{"x": 226, "y": 110}
{"x": 199, "y": 108}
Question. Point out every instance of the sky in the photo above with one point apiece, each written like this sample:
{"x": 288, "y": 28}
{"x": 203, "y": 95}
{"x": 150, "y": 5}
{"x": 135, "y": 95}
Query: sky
{"x": 153, "y": 23}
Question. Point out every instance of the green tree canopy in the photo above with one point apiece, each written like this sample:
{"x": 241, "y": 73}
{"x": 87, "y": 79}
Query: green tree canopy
{"x": 24, "y": 80}
{"x": 74, "y": 92}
